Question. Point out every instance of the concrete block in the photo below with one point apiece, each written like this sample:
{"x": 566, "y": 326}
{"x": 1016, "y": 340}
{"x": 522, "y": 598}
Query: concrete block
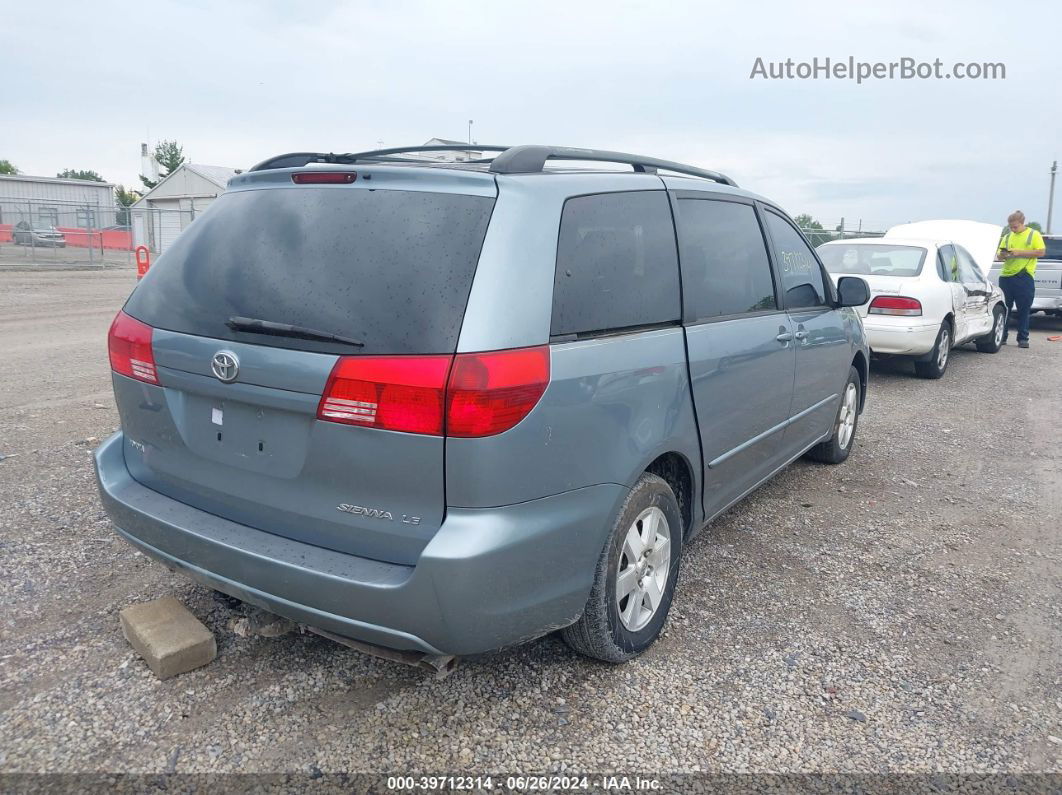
{"x": 169, "y": 638}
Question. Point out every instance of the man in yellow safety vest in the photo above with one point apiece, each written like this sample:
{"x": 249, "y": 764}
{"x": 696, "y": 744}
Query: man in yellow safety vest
{"x": 1019, "y": 248}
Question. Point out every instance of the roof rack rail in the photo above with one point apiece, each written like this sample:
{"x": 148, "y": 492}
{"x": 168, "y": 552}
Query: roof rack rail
{"x": 532, "y": 159}
{"x": 511, "y": 160}
{"x": 379, "y": 154}
{"x": 296, "y": 159}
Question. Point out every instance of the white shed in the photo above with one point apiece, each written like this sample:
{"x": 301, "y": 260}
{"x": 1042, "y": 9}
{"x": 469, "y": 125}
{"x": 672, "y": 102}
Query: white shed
{"x": 160, "y": 214}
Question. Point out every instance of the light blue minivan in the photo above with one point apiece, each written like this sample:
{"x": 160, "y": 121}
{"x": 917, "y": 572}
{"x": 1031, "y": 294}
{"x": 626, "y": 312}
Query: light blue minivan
{"x": 445, "y": 407}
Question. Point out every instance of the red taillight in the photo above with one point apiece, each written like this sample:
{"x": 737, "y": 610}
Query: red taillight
{"x": 129, "y": 346}
{"x": 324, "y": 177}
{"x": 396, "y": 393}
{"x": 489, "y": 393}
{"x": 471, "y": 394}
{"x": 894, "y": 305}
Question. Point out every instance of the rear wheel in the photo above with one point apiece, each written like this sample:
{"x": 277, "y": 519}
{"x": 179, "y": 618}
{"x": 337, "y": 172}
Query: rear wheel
{"x": 993, "y": 340}
{"x": 937, "y": 363}
{"x": 835, "y": 450}
{"x": 635, "y": 578}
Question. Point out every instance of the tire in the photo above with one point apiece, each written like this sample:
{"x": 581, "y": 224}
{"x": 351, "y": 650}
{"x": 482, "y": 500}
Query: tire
{"x": 835, "y": 450}
{"x": 939, "y": 357}
{"x": 603, "y": 632}
{"x": 993, "y": 340}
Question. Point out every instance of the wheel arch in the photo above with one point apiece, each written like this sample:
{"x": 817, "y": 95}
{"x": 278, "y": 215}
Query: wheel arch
{"x": 862, "y": 366}
{"x": 674, "y": 468}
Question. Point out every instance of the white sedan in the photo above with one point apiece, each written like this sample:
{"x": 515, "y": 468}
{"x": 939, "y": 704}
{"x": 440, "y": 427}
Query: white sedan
{"x": 927, "y": 291}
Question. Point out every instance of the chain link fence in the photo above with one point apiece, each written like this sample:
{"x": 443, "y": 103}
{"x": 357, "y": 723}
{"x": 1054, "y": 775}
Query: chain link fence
{"x": 819, "y": 233}
{"x": 42, "y": 232}
{"x": 87, "y": 234}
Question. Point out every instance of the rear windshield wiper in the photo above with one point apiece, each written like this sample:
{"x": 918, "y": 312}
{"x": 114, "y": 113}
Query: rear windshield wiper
{"x": 257, "y": 326}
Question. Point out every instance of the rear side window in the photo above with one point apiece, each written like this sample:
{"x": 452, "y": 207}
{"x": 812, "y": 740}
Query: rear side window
{"x": 390, "y": 268}
{"x": 942, "y": 270}
{"x": 725, "y": 270}
{"x": 802, "y": 281}
{"x": 948, "y": 263}
{"x": 616, "y": 264}
{"x": 1053, "y": 247}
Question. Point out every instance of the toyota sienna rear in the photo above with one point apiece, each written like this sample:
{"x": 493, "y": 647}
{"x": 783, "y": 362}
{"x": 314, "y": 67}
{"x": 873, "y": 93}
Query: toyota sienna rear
{"x": 409, "y": 404}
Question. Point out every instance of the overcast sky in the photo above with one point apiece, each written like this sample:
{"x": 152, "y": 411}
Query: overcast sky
{"x": 236, "y": 82}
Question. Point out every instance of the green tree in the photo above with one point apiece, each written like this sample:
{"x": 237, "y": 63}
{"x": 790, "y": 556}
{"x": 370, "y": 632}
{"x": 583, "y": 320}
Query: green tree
{"x": 1035, "y": 225}
{"x": 7, "y": 167}
{"x": 814, "y": 231}
{"x": 124, "y": 198}
{"x": 169, "y": 155}
{"x": 71, "y": 173}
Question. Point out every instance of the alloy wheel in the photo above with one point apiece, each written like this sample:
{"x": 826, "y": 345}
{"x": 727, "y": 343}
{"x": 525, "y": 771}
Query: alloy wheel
{"x": 643, "y": 568}
{"x": 944, "y": 349}
{"x": 847, "y": 418}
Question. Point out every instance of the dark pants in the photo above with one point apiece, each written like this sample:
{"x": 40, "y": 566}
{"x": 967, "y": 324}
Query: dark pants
{"x": 1018, "y": 291}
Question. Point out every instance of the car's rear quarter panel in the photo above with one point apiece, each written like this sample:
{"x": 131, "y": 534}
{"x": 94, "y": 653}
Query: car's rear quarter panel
{"x": 612, "y": 406}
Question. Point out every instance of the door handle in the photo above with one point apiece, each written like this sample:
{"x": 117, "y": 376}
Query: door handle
{"x": 784, "y": 337}
{"x": 801, "y": 335}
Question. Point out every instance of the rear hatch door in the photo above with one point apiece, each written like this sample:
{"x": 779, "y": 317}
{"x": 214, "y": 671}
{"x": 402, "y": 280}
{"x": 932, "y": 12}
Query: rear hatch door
{"x": 388, "y": 261}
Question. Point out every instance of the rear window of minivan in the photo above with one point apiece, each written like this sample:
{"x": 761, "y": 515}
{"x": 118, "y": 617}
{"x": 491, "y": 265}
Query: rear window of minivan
{"x": 617, "y": 265}
{"x": 390, "y": 268}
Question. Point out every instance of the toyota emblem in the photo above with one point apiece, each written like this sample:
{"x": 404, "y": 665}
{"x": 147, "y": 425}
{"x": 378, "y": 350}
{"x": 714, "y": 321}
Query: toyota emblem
{"x": 225, "y": 366}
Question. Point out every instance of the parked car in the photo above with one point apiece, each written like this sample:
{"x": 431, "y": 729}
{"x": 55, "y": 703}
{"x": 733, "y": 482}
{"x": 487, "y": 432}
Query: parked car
{"x": 447, "y": 408}
{"x": 1048, "y": 277}
{"x": 928, "y": 292}
{"x": 24, "y": 234}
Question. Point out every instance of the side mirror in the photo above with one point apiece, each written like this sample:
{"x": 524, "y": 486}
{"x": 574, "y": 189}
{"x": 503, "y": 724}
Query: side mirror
{"x": 852, "y": 291}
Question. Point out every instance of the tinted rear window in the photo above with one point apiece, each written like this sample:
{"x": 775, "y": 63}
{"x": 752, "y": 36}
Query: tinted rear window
{"x": 616, "y": 263}
{"x": 390, "y": 268}
{"x": 1053, "y": 246}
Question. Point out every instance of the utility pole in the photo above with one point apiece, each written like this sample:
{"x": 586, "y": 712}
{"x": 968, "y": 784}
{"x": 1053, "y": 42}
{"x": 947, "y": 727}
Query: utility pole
{"x": 470, "y": 139}
{"x": 1051, "y": 196}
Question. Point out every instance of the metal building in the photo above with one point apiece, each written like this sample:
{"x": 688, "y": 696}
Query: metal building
{"x": 161, "y": 213}
{"x": 67, "y": 204}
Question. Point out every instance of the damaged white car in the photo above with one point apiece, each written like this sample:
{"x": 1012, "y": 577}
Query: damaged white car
{"x": 928, "y": 289}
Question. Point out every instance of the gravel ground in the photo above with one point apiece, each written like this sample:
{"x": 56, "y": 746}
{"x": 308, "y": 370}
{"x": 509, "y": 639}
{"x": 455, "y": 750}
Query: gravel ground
{"x": 897, "y": 613}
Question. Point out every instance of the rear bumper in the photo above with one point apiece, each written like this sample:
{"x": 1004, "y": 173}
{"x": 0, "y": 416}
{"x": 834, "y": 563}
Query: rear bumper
{"x": 1041, "y": 302}
{"x": 490, "y": 577}
{"x": 897, "y": 340}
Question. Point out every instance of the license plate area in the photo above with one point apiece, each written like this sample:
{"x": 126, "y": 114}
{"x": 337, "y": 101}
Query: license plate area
{"x": 255, "y": 438}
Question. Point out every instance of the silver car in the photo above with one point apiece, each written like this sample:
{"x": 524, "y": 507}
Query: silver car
{"x": 26, "y": 235}
{"x": 445, "y": 408}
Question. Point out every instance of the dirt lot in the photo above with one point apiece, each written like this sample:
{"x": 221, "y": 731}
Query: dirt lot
{"x": 899, "y": 613}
